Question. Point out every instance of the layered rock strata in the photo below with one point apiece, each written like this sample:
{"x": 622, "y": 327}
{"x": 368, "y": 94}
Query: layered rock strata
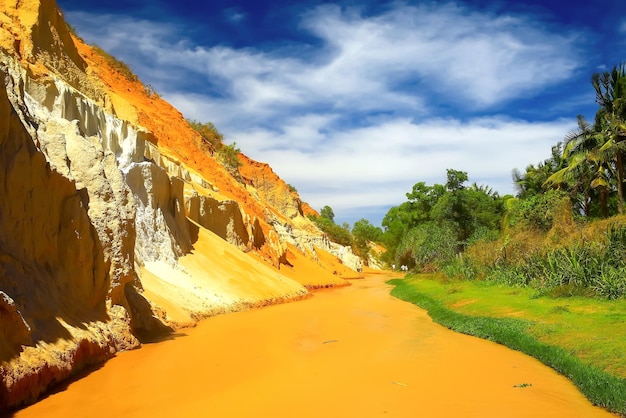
{"x": 108, "y": 236}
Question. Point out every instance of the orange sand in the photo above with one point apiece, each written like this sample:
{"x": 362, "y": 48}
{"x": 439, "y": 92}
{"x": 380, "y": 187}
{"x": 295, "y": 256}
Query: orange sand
{"x": 349, "y": 352}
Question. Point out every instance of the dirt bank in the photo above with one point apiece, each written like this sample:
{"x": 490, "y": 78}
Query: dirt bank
{"x": 353, "y": 351}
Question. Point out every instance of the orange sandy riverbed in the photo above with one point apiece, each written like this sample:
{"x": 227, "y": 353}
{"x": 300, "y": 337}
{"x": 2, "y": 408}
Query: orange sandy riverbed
{"x": 349, "y": 352}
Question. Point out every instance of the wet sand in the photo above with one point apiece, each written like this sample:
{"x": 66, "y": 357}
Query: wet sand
{"x": 348, "y": 352}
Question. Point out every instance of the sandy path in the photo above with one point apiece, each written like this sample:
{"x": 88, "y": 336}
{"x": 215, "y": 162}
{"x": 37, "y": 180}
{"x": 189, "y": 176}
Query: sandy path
{"x": 350, "y": 352}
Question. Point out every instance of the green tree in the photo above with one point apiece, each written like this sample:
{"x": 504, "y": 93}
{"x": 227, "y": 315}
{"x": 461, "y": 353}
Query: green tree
{"x": 394, "y": 227}
{"x": 467, "y": 209}
{"x": 610, "y": 88}
{"x": 421, "y": 201}
{"x": 327, "y": 212}
{"x": 229, "y": 156}
{"x": 455, "y": 180}
{"x": 336, "y": 233}
{"x": 363, "y": 232}
{"x": 537, "y": 211}
{"x": 533, "y": 181}
{"x": 428, "y": 246}
{"x": 208, "y": 132}
{"x": 453, "y": 207}
{"x": 586, "y": 174}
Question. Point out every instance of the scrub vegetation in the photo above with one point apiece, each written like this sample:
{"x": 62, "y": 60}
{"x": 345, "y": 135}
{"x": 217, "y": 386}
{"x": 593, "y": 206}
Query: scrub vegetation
{"x": 359, "y": 237}
{"x": 563, "y": 234}
{"x": 212, "y": 142}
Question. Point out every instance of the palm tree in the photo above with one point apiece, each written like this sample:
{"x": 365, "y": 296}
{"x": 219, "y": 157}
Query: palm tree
{"x": 594, "y": 155}
{"x": 610, "y": 121}
{"x": 483, "y": 188}
{"x": 533, "y": 181}
{"x": 586, "y": 170}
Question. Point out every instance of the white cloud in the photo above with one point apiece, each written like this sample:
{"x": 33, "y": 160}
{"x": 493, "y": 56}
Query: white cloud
{"x": 391, "y": 61}
{"x": 483, "y": 58}
{"x": 377, "y": 165}
{"x": 349, "y": 121}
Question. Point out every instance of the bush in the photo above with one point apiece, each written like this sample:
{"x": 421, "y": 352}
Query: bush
{"x": 538, "y": 211}
{"x": 461, "y": 267}
{"x": 363, "y": 233}
{"x": 335, "y": 233}
{"x": 610, "y": 283}
{"x": 427, "y": 246}
{"x": 208, "y": 132}
{"x": 598, "y": 268}
{"x": 229, "y": 156}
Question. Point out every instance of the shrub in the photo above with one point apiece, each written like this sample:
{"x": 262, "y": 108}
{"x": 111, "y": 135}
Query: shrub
{"x": 427, "y": 246}
{"x": 536, "y": 212}
{"x": 597, "y": 267}
{"x": 208, "y": 132}
{"x": 335, "y": 233}
{"x": 461, "y": 267}
{"x": 229, "y": 156}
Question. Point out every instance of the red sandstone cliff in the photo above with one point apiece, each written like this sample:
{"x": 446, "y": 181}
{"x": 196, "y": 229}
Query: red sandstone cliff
{"x": 115, "y": 226}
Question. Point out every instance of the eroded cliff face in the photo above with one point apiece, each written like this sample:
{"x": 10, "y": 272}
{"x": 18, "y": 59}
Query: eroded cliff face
{"x": 115, "y": 226}
{"x": 59, "y": 270}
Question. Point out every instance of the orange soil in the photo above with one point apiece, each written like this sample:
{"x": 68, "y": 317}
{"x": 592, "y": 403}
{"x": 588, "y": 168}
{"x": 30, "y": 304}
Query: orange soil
{"x": 327, "y": 271}
{"x": 307, "y": 272}
{"x": 353, "y": 351}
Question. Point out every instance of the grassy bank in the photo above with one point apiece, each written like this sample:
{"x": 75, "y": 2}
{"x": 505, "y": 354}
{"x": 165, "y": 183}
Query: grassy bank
{"x": 584, "y": 339}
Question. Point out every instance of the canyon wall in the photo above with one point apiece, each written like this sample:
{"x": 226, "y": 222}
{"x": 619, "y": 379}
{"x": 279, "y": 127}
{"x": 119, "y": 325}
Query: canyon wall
{"x": 116, "y": 227}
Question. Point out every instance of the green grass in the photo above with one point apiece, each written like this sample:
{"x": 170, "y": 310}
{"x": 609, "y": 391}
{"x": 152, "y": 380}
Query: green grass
{"x": 583, "y": 339}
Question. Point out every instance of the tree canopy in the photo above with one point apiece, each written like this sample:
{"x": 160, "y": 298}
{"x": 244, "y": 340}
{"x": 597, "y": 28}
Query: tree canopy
{"x": 449, "y": 214}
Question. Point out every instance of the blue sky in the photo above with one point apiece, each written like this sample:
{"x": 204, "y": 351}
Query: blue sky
{"x": 353, "y": 102}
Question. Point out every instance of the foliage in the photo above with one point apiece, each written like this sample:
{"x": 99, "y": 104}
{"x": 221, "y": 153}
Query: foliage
{"x": 591, "y": 166}
{"x": 610, "y": 123}
{"x": 452, "y": 213}
{"x": 363, "y": 232}
{"x": 536, "y": 211}
{"x": 208, "y": 132}
{"x": 326, "y": 223}
{"x": 229, "y": 156}
{"x": 533, "y": 181}
{"x": 427, "y": 246}
{"x": 461, "y": 267}
{"x": 327, "y": 213}
{"x": 213, "y": 142}
{"x": 292, "y": 188}
{"x": 119, "y": 65}
{"x": 591, "y": 268}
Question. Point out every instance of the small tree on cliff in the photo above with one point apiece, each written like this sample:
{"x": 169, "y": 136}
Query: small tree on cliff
{"x": 327, "y": 213}
{"x": 208, "y": 132}
{"x": 336, "y": 233}
{"x": 228, "y": 155}
{"x": 364, "y": 233}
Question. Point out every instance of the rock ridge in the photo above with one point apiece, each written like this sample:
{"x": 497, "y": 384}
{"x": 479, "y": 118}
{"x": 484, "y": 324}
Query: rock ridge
{"x": 115, "y": 226}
